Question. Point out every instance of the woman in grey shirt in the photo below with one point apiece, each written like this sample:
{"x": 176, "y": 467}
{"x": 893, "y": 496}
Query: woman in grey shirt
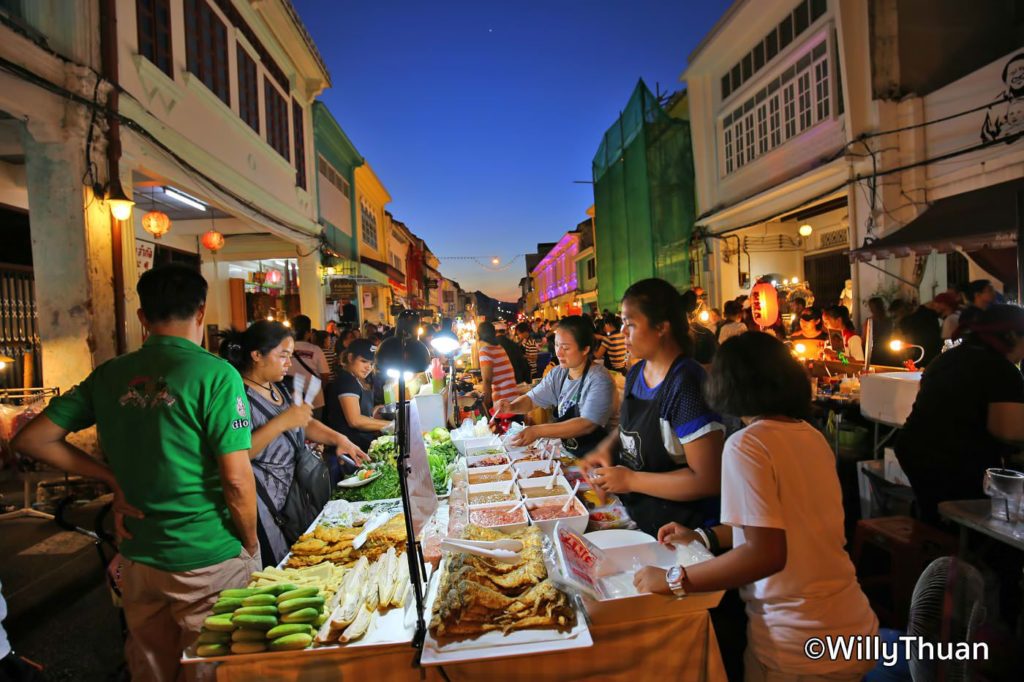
{"x": 579, "y": 390}
{"x": 262, "y": 354}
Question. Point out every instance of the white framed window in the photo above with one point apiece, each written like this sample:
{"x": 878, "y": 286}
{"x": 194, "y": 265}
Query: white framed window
{"x": 803, "y": 84}
{"x": 797, "y": 98}
{"x": 368, "y": 225}
{"x": 789, "y": 110}
{"x": 332, "y": 175}
{"x": 774, "y": 122}
{"x": 762, "y": 128}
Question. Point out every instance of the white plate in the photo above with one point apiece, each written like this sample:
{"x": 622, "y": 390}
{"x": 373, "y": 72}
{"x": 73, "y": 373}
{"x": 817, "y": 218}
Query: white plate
{"x": 354, "y": 481}
{"x": 609, "y": 539}
{"x": 497, "y": 644}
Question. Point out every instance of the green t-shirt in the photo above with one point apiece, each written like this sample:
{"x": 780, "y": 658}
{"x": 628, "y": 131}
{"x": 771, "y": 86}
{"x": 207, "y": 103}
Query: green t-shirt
{"x": 164, "y": 414}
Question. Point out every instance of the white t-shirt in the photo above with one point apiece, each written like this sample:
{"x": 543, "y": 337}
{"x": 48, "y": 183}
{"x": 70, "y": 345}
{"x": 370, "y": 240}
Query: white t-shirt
{"x": 313, "y": 356}
{"x": 729, "y": 330}
{"x": 5, "y": 646}
{"x": 783, "y": 475}
{"x": 950, "y": 325}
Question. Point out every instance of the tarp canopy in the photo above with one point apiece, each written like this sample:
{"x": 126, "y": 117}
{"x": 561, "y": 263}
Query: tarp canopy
{"x": 980, "y": 221}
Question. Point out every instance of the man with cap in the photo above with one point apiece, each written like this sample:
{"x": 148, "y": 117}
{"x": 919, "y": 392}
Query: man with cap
{"x": 350, "y": 409}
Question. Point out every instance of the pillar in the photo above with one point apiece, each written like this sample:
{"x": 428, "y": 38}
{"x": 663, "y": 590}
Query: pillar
{"x": 218, "y": 295}
{"x": 71, "y": 256}
{"x": 311, "y": 291}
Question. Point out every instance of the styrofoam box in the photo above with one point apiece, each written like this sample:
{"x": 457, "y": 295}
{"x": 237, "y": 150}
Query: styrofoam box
{"x": 463, "y": 444}
{"x": 888, "y": 397}
{"x": 622, "y": 560}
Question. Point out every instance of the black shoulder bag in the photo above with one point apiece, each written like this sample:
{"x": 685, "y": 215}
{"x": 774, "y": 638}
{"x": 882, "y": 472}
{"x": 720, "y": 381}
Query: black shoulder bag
{"x": 309, "y": 492}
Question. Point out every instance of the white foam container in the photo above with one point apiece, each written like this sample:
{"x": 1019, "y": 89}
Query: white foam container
{"x": 508, "y": 527}
{"x": 577, "y": 523}
{"x": 492, "y": 487}
{"x": 561, "y": 487}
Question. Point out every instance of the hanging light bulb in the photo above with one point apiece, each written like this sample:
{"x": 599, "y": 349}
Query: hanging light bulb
{"x": 805, "y": 230}
{"x": 495, "y": 261}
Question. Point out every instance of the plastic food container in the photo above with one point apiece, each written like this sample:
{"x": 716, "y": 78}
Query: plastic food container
{"x": 488, "y": 475}
{"x": 576, "y": 518}
{"x": 528, "y": 469}
{"x": 489, "y": 460}
{"x": 495, "y": 448}
{"x": 491, "y": 516}
{"x": 535, "y": 488}
{"x": 492, "y": 488}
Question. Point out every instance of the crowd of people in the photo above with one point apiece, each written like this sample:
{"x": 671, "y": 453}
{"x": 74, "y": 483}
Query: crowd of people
{"x": 201, "y": 453}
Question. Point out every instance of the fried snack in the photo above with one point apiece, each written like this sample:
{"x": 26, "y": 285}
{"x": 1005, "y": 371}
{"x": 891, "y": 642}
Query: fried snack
{"x": 334, "y": 544}
{"x": 478, "y": 595}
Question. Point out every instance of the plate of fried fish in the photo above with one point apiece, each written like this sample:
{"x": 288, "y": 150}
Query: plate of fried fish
{"x": 480, "y": 608}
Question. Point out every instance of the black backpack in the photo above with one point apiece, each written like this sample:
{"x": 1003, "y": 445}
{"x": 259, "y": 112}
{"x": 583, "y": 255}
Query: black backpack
{"x": 516, "y": 356}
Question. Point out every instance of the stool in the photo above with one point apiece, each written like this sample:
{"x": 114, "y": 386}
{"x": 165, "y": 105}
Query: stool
{"x": 910, "y": 546}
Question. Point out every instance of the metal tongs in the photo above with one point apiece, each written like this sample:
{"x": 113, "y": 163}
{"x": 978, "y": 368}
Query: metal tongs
{"x": 505, "y": 551}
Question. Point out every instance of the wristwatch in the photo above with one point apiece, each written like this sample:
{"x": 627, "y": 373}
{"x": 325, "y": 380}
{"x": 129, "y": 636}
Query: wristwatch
{"x": 675, "y": 577}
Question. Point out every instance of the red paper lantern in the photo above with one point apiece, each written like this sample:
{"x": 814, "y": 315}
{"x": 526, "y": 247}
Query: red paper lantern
{"x": 764, "y": 304}
{"x": 273, "y": 277}
{"x": 156, "y": 223}
{"x": 213, "y": 240}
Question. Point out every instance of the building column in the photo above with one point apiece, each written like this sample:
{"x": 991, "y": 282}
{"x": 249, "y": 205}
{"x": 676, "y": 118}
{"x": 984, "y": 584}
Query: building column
{"x": 311, "y": 291}
{"x": 218, "y": 295}
{"x": 130, "y": 266}
{"x": 71, "y": 254}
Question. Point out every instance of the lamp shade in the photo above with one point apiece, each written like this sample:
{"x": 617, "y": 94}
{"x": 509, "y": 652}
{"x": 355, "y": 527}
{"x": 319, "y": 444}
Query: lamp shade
{"x": 119, "y": 203}
{"x": 156, "y": 223}
{"x": 764, "y": 304}
{"x": 213, "y": 240}
{"x": 402, "y": 354}
{"x": 445, "y": 343}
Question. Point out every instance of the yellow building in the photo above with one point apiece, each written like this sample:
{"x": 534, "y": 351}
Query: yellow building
{"x": 373, "y": 225}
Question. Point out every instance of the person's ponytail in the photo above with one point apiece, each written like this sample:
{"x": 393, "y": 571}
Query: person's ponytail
{"x": 660, "y": 302}
{"x": 231, "y": 348}
{"x": 263, "y": 336}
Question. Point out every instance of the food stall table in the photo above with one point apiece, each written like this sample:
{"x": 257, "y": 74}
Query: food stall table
{"x": 683, "y": 648}
{"x": 976, "y": 515}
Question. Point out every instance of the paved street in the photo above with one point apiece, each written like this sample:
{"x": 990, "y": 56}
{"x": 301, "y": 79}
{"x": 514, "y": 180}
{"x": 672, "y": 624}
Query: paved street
{"x": 56, "y": 592}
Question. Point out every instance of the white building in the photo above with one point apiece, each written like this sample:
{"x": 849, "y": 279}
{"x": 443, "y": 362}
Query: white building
{"x": 789, "y": 101}
{"x": 210, "y": 126}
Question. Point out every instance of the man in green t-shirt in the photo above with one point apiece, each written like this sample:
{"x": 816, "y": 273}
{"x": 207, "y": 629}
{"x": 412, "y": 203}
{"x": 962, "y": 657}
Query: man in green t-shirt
{"x": 173, "y": 424}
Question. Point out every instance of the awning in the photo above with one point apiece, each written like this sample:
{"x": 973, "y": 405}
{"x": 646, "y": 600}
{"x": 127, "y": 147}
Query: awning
{"x": 587, "y": 296}
{"x": 373, "y": 275}
{"x": 980, "y": 220}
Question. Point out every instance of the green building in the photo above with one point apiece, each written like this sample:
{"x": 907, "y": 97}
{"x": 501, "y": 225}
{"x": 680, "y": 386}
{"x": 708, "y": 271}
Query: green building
{"x": 336, "y": 163}
{"x": 644, "y": 200}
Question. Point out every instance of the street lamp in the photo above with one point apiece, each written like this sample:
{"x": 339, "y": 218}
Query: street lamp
{"x": 805, "y": 230}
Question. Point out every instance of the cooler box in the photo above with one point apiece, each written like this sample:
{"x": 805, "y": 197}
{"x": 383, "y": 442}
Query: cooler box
{"x": 888, "y": 397}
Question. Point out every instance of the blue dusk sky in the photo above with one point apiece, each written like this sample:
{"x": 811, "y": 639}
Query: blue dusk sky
{"x": 478, "y": 116}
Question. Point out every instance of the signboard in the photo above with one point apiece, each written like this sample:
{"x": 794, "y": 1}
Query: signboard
{"x": 422, "y": 496}
{"x": 368, "y": 299}
{"x": 343, "y": 288}
{"x": 144, "y": 252}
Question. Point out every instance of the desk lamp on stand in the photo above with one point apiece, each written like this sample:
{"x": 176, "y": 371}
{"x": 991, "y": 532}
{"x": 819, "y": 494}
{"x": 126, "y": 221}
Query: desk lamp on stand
{"x": 400, "y": 357}
{"x": 447, "y": 345}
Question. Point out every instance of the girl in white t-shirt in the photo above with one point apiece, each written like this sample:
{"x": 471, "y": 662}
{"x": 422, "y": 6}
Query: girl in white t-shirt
{"x": 782, "y": 517}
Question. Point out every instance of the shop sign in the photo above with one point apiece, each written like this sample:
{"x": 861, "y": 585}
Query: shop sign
{"x": 144, "y": 252}
{"x": 343, "y": 288}
{"x": 367, "y": 299}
